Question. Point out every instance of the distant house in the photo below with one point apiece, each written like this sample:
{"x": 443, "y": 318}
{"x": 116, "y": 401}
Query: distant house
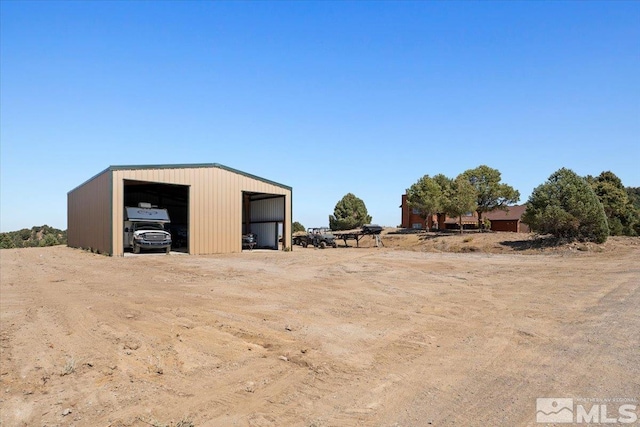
{"x": 509, "y": 220}
{"x": 412, "y": 218}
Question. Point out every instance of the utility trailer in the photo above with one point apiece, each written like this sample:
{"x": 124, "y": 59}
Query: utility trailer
{"x": 372, "y": 230}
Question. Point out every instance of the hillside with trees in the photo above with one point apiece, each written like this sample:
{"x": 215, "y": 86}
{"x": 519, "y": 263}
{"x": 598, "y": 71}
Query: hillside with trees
{"x": 37, "y": 236}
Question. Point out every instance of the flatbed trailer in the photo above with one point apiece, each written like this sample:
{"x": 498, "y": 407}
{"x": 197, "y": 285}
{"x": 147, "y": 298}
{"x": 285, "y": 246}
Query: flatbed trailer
{"x": 357, "y": 235}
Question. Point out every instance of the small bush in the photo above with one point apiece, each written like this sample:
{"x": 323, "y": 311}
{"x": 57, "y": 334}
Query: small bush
{"x": 69, "y": 367}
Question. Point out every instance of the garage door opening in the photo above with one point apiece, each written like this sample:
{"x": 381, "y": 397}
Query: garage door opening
{"x": 263, "y": 215}
{"x": 174, "y": 198}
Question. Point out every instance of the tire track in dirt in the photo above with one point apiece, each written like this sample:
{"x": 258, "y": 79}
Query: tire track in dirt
{"x": 324, "y": 338}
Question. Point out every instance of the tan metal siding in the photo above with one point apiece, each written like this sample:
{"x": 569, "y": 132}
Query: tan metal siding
{"x": 89, "y": 215}
{"x": 215, "y": 205}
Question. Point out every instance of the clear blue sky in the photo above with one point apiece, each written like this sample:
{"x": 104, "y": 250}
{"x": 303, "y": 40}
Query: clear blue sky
{"x": 327, "y": 97}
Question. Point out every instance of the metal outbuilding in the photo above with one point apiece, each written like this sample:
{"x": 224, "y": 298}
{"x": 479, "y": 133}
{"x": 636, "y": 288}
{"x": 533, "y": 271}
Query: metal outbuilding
{"x": 210, "y": 206}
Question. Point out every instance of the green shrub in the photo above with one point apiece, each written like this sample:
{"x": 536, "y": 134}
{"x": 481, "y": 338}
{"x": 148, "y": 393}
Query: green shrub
{"x": 38, "y": 236}
{"x": 566, "y": 206}
{"x": 350, "y": 212}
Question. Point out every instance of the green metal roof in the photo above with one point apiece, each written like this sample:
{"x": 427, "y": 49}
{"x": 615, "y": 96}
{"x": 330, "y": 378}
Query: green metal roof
{"x": 184, "y": 166}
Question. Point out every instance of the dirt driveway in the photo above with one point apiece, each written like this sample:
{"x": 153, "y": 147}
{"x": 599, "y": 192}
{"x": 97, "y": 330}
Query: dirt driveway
{"x": 336, "y": 337}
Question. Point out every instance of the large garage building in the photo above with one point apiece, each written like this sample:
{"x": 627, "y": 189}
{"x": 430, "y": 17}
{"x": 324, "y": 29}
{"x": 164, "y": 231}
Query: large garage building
{"x": 210, "y": 206}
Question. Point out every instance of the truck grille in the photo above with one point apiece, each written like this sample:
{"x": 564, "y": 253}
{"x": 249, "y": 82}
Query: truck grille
{"x": 154, "y": 236}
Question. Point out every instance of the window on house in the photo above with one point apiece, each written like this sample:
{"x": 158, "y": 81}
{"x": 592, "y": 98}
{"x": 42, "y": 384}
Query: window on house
{"x": 415, "y": 211}
{"x": 416, "y": 226}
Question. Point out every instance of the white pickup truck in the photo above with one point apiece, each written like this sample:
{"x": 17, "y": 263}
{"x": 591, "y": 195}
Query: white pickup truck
{"x": 144, "y": 228}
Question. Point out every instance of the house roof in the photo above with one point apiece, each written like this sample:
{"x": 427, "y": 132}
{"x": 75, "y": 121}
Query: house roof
{"x": 513, "y": 212}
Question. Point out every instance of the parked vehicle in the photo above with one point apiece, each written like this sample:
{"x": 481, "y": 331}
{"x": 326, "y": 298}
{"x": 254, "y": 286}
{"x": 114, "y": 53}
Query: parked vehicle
{"x": 144, "y": 228}
{"x": 318, "y": 237}
{"x": 249, "y": 241}
{"x": 179, "y": 235}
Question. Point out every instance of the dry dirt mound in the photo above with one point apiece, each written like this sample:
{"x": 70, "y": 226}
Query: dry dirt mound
{"x": 494, "y": 242}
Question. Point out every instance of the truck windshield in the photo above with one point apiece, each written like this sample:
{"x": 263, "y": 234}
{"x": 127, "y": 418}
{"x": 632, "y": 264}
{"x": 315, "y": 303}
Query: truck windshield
{"x": 147, "y": 226}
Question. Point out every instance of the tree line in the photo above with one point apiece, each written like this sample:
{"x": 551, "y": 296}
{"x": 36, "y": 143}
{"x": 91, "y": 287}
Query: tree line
{"x": 566, "y": 205}
{"x": 584, "y": 208}
{"x": 37, "y": 236}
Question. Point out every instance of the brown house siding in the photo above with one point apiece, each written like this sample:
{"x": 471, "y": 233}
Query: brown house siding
{"x": 409, "y": 218}
{"x": 505, "y": 225}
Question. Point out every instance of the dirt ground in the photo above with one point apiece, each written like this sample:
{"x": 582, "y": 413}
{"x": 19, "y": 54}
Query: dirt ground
{"x": 420, "y": 332}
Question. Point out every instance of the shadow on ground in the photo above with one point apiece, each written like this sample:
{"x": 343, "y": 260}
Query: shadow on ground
{"x": 424, "y": 236}
{"x": 540, "y": 243}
